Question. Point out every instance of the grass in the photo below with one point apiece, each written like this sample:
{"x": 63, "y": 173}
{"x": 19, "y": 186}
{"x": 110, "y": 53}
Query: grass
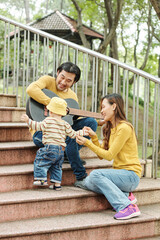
{"x": 158, "y": 172}
{"x": 149, "y": 151}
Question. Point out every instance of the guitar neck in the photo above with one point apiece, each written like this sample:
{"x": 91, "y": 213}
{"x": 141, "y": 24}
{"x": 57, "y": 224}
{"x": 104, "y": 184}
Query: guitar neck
{"x": 84, "y": 113}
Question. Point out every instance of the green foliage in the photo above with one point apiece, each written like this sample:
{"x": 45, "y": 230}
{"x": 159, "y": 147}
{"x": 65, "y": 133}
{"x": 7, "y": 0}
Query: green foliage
{"x": 141, "y": 101}
{"x": 5, "y": 13}
{"x": 38, "y": 15}
{"x": 92, "y": 13}
{"x": 134, "y": 14}
{"x": 133, "y": 20}
{"x": 152, "y": 66}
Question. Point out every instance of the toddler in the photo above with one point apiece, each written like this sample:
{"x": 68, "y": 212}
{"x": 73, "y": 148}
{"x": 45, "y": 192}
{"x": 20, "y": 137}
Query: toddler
{"x": 51, "y": 156}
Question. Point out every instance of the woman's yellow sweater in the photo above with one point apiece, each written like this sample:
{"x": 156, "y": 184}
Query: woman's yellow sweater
{"x": 122, "y": 148}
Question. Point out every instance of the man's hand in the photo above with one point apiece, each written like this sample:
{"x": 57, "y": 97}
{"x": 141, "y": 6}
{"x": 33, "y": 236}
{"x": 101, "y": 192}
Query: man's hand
{"x": 81, "y": 140}
{"x": 25, "y": 118}
{"x": 101, "y": 122}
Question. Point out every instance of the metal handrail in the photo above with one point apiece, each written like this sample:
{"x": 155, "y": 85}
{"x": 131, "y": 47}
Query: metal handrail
{"x": 99, "y": 77}
{"x": 83, "y": 49}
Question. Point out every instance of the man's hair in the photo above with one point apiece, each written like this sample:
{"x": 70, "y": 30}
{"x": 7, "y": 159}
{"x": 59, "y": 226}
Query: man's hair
{"x": 71, "y": 68}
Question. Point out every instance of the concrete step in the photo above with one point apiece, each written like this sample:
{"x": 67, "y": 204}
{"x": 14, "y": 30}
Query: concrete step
{"x": 11, "y": 132}
{"x": 11, "y": 114}
{"x": 85, "y": 226}
{"x": 18, "y": 177}
{"x": 9, "y": 100}
{"x": 25, "y": 151}
{"x": 17, "y": 152}
{"x": 43, "y": 202}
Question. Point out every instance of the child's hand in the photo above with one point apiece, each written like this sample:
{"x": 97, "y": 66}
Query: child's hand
{"x": 85, "y": 132}
{"x": 89, "y": 131}
{"x": 25, "y": 118}
{"x": 81, "y": 140}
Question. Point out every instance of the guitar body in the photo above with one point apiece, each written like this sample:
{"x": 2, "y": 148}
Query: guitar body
{"x": 36, "y": 111}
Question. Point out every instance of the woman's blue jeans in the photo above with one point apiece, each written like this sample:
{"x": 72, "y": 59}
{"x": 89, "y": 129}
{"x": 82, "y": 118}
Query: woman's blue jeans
{"x": 72, "y": 148}
{"x": 114, "y": 184}
{"x": 49, "y": 158}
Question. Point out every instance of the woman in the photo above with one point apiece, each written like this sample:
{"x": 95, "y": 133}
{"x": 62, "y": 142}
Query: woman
{"x": 120, "y": 145}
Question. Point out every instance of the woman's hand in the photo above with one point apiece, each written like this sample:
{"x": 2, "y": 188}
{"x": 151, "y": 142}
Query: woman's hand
{"x": 81, "y": 140}
{"x": 89, "y": 131}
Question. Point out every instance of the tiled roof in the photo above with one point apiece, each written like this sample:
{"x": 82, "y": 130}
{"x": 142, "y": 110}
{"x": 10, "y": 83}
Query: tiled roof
{"x": 59, "y": 21}
{"x": 51, "y": 21}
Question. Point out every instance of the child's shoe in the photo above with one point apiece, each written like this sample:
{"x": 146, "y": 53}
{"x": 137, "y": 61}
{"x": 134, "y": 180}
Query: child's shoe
{"x": 57, "y": 188}
{"x": 130, "y": 211}
{"x": 40, "y": 183}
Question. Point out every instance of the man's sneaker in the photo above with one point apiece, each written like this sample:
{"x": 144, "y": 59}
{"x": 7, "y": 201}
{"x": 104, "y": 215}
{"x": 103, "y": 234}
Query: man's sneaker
{"x": 129, "y": 212}
{"x": 80, "y": 184}
{"x": 132, "y": 198}
{"x": 83, "y": 162}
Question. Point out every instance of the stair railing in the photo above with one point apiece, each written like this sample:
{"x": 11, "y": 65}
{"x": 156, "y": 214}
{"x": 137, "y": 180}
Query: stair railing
{"x": 27, "y": 53}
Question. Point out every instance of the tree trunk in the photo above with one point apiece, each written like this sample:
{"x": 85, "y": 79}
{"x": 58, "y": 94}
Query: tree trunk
{"x": 123, "y": 43}
{"x": 159, "y": 67}
{"x": 114, "y": 54}
{"x": 26, "y": 7}
{"x": 113, "y": 17}
{"x": 156, "y": 5}
{"x": 111, "y": 38}
{"x": 150, "y": 37}
{"x": 80, "y": 26}
{"x": 46, "y": 7}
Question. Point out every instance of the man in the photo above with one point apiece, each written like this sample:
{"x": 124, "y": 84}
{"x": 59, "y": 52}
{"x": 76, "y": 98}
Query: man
{"x": 67, "y": 74}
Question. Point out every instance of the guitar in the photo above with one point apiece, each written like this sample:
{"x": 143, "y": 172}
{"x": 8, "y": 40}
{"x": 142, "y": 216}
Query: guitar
{"x": 38, "y": 112}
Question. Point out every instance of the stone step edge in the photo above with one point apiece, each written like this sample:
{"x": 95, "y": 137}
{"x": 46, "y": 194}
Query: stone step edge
{"x": 12, "y": 108}
{"x": 27, "y": 144}
{"x": 28, "y": 168}
{"x": 13, "y": 125}
{"x": 82, "y": 221}
{"x": 67, "y": 192}
{"x": 148, "y": 238}
{"x": 91, "y": 163}
{"x": 17, "y": 145}
{"x": 20, "y": 144}
{"x": 8, "y": 95}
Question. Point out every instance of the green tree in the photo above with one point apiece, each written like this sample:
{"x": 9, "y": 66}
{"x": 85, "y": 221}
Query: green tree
{"x": 111, "y": 14}
{"x": 17, "y": 9}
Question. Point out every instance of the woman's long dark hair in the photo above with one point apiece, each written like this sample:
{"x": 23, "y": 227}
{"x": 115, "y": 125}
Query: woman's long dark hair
{"x": 119, "y": 115}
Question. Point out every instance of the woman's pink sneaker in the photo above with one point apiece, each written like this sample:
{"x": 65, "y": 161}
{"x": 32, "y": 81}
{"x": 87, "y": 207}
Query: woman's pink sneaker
{"x": 132, "y": 198}
{"x": 129, "y": 212}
